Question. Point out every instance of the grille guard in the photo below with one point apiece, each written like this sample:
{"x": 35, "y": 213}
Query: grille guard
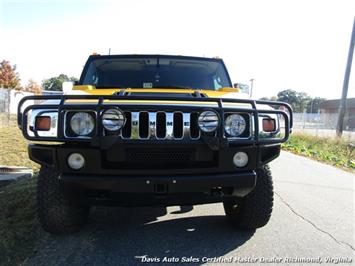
{"x": 100, "y": 105}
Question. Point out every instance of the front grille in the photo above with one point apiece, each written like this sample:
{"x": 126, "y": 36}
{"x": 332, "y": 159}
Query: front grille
{"x": 161, "y": 125}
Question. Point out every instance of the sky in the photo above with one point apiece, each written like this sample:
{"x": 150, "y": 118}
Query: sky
{"x": 282, "y": 44}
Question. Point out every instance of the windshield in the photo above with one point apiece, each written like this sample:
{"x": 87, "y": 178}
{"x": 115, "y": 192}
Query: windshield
{"x": 156, "y": 72}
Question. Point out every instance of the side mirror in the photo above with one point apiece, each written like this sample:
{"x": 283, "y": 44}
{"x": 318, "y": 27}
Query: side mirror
{"x": 67, "y": 86}
{"x": 244, "y": 88}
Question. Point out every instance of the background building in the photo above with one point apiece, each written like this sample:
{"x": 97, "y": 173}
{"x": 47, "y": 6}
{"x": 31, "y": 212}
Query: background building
{"x": 330, "y": 108}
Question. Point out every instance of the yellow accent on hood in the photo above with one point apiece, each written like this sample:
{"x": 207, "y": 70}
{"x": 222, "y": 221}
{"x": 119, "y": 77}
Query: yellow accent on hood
{"x": 222, "y": 93}
{"x": 89, "y": 89}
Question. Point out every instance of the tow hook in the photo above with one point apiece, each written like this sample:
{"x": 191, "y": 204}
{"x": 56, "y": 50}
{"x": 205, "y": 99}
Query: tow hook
{"x": 217, "y": 192}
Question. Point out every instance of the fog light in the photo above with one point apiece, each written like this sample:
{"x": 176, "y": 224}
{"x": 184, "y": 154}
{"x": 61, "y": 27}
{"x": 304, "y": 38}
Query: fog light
{"x": 113, "y": 119}
{"x": 76, "y": 161}
{"x": 240, "y": 159}
{"x": 208, "y": 121}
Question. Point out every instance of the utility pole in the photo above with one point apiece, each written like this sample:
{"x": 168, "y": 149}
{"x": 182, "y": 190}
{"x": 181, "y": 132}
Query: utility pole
{"x": 342, "y": 106}
{"x": 251, "y": 87}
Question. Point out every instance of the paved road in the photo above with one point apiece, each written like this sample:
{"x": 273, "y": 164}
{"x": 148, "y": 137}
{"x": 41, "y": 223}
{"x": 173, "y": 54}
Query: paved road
{"x": 313, "y": 217}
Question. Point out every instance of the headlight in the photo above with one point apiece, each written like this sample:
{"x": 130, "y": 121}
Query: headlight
{"x": 82, "y": 123}
{"x": 113, "y": 119}
{"x": 235, "y": 125}
{"x": 208, "y": 121}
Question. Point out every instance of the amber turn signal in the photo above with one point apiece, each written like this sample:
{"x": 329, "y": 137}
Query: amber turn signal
{"x": 43, "y": 123}
{"x": 269, "y": 125}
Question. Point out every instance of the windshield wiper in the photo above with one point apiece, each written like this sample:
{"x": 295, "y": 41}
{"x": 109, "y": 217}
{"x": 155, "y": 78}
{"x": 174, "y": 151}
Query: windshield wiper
{"x": 109, "y": 87}
{"x": 173, "y": 87}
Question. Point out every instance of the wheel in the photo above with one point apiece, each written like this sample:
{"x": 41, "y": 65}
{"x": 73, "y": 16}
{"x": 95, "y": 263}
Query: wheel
{"x": 56, "y": 212}
{"x": 254, "y": 210}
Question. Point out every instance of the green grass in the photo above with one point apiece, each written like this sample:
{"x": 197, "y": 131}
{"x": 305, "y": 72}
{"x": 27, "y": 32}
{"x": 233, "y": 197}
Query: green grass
{"x": 337, "y": 152}
{"x": 13, "y": 150}
{"x": 19, "y": 228}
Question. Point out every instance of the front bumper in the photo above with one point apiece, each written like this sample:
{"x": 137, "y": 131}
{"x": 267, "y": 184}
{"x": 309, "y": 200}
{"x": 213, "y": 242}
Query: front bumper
{"x": 162, "y": 190}
{"x": 152, "y": 160}
{"x": 108, "y": 179}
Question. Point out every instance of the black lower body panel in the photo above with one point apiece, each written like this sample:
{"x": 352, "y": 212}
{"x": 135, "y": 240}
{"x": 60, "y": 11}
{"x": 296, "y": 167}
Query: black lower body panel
{"x": 159, "y": 174}
{"x": 152, "y": 160}
{"x": 162, "y": 190}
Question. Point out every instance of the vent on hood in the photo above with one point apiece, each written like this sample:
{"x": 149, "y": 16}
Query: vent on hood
{"x": 161, "y": 94}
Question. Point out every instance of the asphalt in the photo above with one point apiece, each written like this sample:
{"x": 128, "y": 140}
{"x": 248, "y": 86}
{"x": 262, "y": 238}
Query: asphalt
{"x": 312, "y": 221}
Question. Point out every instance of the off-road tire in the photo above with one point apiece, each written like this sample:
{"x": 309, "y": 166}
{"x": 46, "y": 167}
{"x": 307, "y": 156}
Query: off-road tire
{"x": 254, "y": 210}
{"x": 56, "y": 212}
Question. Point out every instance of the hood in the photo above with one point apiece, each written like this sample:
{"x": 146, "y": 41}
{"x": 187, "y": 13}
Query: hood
{"x": 222, "y": 93}
{"x": 176, "y": 93}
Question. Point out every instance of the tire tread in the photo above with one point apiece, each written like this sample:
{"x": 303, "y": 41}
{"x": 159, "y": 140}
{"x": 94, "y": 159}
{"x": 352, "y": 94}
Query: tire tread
{"x": 254, "y": 211}
{"x": 56, "y": 213}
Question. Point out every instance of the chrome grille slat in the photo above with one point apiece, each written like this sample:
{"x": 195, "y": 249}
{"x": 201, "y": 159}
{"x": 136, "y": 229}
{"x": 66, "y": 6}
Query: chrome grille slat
{"x": 169, "y": 118}
{"x": 186, "y": 125}
{"x": 163, "y": 122}
{"x": 135, "y": 125}
{"x": 152, "y": 124}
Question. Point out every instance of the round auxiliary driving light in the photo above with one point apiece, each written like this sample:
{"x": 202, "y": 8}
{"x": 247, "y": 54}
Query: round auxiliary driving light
{"x": 208, "y": 121}
{"x": 113, "y": 119}
{"x": 76, "y": 161}
{"x": 235, "y": 125}
{"x": 82, "y": 123}
{"x": 240, "y": 159}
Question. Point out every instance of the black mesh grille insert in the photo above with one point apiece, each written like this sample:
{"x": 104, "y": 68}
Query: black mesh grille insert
{"x": 158, "y": 156}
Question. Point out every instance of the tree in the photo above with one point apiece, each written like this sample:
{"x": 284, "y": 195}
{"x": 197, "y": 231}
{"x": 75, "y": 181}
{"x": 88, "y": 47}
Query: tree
{"x": 34, "y": 87}
{"x": 314, "y": 105}
{"x": 288, "y": 96}
{"x": 264, "y": 98}
{"x": 9, "y": 78}
{"x": 298, "y": 100}
{"x": 272, "y": 98}
{"x": 303, "y": 101}
{"x": 55, "y": 83}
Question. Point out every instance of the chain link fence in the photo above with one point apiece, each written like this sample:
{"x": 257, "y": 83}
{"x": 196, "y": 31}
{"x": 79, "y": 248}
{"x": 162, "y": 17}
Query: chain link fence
{"x": 9, "y": 100}
{"x": 5, "y": 115}
{"x": 324, "y": 124}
